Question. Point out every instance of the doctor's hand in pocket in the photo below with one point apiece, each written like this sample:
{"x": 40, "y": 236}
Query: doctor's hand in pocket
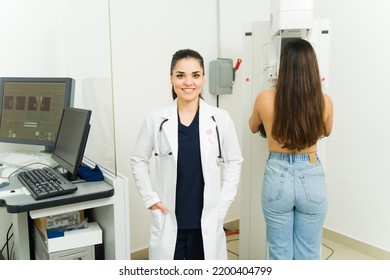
{"x": 160, "y": 206}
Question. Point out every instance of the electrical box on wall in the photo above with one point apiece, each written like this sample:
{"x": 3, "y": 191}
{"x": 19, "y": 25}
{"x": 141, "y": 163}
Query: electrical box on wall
{"x": 221, "y": 76}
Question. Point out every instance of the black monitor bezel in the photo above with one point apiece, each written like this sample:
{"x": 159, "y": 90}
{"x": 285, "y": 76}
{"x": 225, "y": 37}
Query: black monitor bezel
{"x": 68, "y": 102}
{"x": 72, "y": 167}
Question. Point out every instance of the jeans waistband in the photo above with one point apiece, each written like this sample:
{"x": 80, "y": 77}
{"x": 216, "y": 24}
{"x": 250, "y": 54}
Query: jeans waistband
{"x": 293, "y": 157}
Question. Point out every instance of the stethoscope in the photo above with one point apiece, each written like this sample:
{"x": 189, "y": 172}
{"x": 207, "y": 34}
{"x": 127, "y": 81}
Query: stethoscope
{"x": 220, "y": 160}
{"x": 163, "y": 143}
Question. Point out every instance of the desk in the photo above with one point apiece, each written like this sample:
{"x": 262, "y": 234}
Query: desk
{"x": 108, "y": 202}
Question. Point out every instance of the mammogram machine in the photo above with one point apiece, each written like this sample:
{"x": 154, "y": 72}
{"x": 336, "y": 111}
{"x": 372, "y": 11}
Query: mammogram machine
{"x": 263, "y": 42}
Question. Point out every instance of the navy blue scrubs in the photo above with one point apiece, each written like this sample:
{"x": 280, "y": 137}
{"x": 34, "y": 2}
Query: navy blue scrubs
{"x": 189, "y": 192}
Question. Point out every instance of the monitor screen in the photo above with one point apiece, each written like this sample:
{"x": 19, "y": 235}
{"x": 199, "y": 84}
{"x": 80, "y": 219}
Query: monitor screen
{"x": 31, "y": 109}
{"x": 71, "y": 140}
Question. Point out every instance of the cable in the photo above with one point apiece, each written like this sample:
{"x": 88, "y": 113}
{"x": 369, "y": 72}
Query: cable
{"x": 219, "y": 46}
{"x": 236, "y": 231}
{"x": 8, "y": 238}
{"x": 219, "y": 27}
{"x": 231, "y": 252}
{"x": 18, "y": 169}
{"x": 12, "y": 252}
{"x": 2, "y": 249}
{"x": 231, "y": 232}
{"x": 332, "y": 251}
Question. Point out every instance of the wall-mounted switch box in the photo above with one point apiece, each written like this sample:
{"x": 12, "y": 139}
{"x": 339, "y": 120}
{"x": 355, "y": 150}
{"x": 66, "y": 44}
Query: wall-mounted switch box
{"x": 221, "y": 76}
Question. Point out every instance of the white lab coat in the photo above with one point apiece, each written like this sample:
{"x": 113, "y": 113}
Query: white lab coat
{"x": 220, "y": 186}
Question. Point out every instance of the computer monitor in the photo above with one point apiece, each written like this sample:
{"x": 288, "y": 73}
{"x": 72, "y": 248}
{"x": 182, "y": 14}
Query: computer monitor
{"x": 71, "y": 140}
{"x": 31, "y": 108}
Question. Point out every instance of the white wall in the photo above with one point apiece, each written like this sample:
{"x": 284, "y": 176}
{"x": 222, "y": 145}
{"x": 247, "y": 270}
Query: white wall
{"x": 144, "y": 38}
{"x": 30, "y": 41}
{"x": 358, "y": 150}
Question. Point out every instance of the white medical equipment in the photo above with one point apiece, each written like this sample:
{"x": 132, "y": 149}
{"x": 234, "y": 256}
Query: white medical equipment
{"x": 288, "y": 20}
{"x": 262, "y": 44}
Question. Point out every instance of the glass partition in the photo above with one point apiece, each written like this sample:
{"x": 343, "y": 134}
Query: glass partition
{"x": 65, "y": 38}
{"x": 87, "y": 52}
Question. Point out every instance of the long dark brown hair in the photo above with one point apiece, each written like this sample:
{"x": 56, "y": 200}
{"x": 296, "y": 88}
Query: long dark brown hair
{"x": 185, "y": 53}
{"x": 299, "y": 101}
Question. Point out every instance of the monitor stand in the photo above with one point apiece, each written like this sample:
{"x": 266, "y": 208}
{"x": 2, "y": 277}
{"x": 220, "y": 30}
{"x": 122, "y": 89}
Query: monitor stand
{"x": 67, "y": 175}
{"x": 48, "y": 149}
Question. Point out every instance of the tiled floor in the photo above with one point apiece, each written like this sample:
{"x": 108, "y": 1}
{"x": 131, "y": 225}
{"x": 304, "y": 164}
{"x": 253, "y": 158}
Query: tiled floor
{"x": 233, "y": 243}
{"x": 330, "y": 250}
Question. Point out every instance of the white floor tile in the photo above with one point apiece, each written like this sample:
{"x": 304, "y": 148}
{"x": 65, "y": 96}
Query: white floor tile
{"x": 330, "y": 250}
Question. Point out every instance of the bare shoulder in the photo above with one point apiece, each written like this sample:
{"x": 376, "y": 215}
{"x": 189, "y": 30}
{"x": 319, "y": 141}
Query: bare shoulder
{"x": 265, "y": 97}
{"x": 327, "y": 98}
{"x": 267, "y": 94}
{"x": 328, "y": 102}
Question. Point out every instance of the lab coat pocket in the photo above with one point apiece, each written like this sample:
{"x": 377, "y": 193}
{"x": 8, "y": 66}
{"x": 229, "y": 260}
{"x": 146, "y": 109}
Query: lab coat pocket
{"x": 223, "y": 209}
{"x": 156, "y": 226}
{"x": 157, "y": 222}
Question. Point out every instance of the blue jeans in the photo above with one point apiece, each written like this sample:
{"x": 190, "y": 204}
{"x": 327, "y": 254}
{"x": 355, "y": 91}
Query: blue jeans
{"x": 294, "y": 203}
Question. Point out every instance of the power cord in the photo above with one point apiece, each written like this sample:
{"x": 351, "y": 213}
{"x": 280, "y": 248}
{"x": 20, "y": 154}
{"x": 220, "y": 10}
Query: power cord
{"x": 232, "y": 232}
{"x": 6, "y": 244}
{"x": 236, "y": 231}
{"x": 331, "y": 250}
{"x": 231, "y": 252}
{"x": 24, "y": 167}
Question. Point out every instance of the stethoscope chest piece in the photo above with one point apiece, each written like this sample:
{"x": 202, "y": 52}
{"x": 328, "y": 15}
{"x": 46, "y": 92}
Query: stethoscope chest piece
{"x": 220, "y": 161}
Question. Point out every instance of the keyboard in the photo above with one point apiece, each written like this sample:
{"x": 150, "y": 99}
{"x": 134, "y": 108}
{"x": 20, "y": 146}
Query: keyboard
{"x": 45, "y": 183}
{"x": 23, "y": 158}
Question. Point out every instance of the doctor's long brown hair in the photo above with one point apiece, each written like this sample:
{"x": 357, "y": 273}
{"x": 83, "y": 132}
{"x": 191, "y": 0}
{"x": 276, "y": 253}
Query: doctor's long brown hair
{"x": 299, "y": 101}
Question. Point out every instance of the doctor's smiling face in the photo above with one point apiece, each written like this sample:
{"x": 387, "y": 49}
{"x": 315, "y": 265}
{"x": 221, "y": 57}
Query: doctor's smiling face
{"x": 187, "y": 79}
{"x": 187, "y": 75}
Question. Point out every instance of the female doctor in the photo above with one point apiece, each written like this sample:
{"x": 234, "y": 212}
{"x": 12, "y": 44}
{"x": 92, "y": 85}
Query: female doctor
{"x": 198, "y": 165}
